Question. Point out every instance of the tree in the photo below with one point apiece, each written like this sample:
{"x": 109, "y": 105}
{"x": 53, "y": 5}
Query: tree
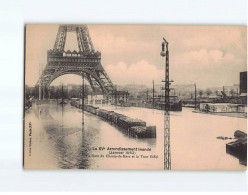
{"x": 200, "y": 93}
{"x": 191, "y": 95}
{"x": 232, "y": 92}
{"x": 208, "y": 92}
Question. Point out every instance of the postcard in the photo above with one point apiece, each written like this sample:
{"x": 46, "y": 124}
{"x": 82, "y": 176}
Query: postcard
{"x": 140, "y": 97}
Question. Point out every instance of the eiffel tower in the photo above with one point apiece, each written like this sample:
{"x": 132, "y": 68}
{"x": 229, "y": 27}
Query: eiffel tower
{"x": 85, "y": 63}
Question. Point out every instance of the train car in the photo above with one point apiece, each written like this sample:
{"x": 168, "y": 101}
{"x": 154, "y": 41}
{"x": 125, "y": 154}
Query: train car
{"x": 104, "y": 114}
{"x": 143, "y": 132}
{"x": 111, "y": 116}
{"x": 116, "y": 117}
{"x": 127, "y": 122}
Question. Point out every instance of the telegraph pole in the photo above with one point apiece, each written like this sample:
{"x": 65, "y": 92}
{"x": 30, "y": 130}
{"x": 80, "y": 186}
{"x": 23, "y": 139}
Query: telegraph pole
{"x": 167, "y": 152}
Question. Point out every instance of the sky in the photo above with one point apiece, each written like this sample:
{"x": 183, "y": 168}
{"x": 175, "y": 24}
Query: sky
{"x": 211, "y": 56}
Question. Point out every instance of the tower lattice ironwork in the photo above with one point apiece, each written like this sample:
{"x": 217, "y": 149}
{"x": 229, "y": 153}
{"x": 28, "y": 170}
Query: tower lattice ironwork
{"x": 167, "y": 149}
{"x": 86, "y": 62}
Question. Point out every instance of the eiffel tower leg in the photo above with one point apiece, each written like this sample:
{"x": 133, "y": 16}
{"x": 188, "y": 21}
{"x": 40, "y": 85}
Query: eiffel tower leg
{"x": 103, "y": 81}
{"x": 60, "y": 39}
{"x": 43, "y": 92}
{"x": 46, "y": 92}
{"x": 40, "y": 91}
{"x": 97, "y": 79}
{"x": 106, "y": 84}
{"x": 49, "y": 93}
{"x": 91, "y": 82}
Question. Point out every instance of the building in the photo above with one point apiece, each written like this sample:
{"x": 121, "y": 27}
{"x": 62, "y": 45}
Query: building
{"x": 119, "y": 97}
{"x": 96, "y": 99}
{"x": 243, "y": 83}
{"x": 243, "y": 87}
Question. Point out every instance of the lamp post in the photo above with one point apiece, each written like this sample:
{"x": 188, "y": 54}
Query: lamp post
{"x": 167, "y": 152}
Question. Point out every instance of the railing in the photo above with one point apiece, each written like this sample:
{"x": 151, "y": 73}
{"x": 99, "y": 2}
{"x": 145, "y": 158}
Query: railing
{"x": 74, "y": 54}
{"x": 72, "y": 59}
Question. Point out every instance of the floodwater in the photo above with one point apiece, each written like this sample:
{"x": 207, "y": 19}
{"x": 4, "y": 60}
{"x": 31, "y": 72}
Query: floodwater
{"x": 55, "y": 138}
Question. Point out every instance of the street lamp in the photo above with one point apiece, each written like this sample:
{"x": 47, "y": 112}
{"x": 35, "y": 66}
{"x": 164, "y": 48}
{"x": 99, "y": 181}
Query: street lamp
{"x": 162, "y": 53}
{"x": 167, "y": 153}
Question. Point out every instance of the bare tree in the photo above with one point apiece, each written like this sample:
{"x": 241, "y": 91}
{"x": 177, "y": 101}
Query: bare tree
{"x": 208, "y": 92}
{"x": 232, "y": 92}
{"x": 191, "y": 95}
{"x": 200, "y": 93}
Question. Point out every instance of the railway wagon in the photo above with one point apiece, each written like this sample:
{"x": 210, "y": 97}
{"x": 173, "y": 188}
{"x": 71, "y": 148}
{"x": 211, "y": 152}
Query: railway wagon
{"x": 116, "y": 117}
{"x": 143, "y": 132}
{"x": 87, "y": 108}
{"x": 93, "y": 109}
{"x": 127, "y": 122}
{"x": 99, "y": 112}
{"x": 104, "y": 114}
{"x": 135, "y": 127}
{"x": 111, "y": 116}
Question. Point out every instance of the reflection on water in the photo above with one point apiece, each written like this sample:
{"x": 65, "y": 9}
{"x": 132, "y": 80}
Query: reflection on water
{"x": 67, "y": 144}
{"x": 60, "y": 141}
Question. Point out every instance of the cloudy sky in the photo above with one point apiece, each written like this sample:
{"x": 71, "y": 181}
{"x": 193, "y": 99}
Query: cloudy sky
{"x": 208, "y": 55}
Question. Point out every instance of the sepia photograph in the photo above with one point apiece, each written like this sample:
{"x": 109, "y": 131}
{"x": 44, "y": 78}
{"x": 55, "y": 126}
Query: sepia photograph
{"x": 123, "y": 96}
{"x": 140, "y": 97}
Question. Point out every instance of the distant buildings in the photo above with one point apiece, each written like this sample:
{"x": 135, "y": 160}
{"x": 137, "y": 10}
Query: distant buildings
{"x": 243, "y": 83}
{"x": 243, "y": 86}
{"x": 142, "y": 94}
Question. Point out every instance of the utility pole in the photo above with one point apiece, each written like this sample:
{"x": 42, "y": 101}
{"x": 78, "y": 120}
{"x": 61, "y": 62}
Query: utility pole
{"x": 152, "y": 93}
{"x": 195, "y": 96}
{"x": 167, "y": 151}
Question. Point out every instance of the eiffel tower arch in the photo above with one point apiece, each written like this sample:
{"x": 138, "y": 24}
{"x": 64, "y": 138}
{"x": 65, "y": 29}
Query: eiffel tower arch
{"x": 86, "y": 62}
